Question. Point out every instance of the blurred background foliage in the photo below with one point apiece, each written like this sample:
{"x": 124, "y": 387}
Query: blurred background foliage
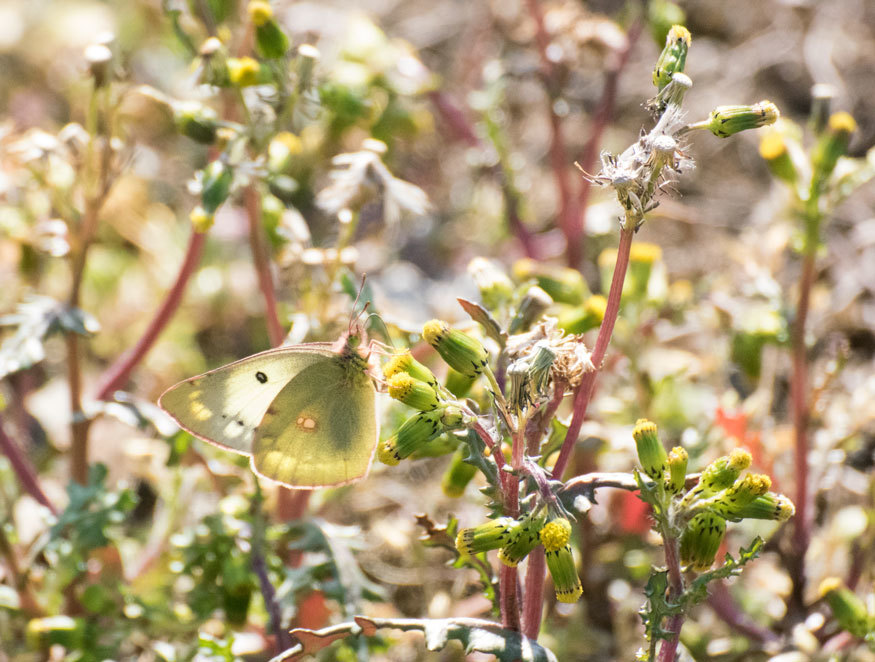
{"x": 472, "y": 104}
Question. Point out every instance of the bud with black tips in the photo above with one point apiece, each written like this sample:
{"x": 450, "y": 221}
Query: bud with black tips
{"x": 701, "y": 539}
{"x": 461, "y": 351}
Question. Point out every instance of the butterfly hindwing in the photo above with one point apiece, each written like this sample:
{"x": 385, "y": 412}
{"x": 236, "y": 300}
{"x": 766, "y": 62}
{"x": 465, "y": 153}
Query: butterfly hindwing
{"x": 321, "y": 429}
{"x": 226, "y": 405}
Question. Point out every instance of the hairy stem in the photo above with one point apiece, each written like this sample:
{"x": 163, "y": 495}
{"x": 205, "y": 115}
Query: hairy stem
{"x": 669, "y": 647}
{"x": 587, "y": 385}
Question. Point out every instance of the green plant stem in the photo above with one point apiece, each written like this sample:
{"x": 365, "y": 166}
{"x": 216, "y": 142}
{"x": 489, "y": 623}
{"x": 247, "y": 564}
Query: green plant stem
{"x": 587, "y": 385}
{"x": 79, "y": 423}
{"x": 23, "y": 469}
{"x": 117, "y": 374}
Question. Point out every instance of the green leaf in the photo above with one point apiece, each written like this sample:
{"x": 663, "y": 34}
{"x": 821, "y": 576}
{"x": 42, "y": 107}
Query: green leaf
{"x": 698, "y": 588}
{"x": 485, "y": 319}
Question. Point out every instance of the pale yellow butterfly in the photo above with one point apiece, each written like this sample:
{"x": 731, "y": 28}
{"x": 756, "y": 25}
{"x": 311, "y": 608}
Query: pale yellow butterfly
{"x": 305, "y": 414}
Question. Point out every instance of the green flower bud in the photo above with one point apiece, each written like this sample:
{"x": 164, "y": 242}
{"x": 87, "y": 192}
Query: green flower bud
{"x": 673, "y": 58}
{"x": 773, "y": 148}
{"x": 405, "y": 363}
{"x": 458, "y": 474}
{"x": 260, "y": 12}
{"x": 525, "y": 536}
{"x": 584, "y": 318}
{"x": 566, "y": 583}
{"x": 562, "y": 284}
{"x": 848, "y": 609}
{"x": 213, "y": 64}
{"x": 651, "y": 452}
{"x": 283, "y": 149}
{"x": 412, "y": 392}
{"x": 661, "y": 16}
{"x": 417, "y": 431}
{"x": 215, "y": 185}
{"x": 484, "y": 537}
{"x": 725, "y": 121}
{"x": 832, "y": 144}
{"x": 270, "y": 40}
{"x": 701, "y": 539}
{"x": 243, "y": 71}
{"x": 822, "y": 96}
{"x": 196, "y": 121}
{"x": 458, "y": 349}
{"x": 555, "y": 534}
{"x": 201, "y": 221}
{"x": 534, "y": 303}
{"x": 43, "y": 633}
{"x": 722, "y": 472}
{"x": 677, "y": 469}
{"x": 767, "y": 506}
{"x": 728, "y": 502}
{"x": 560, "y": 560}
{"x": 458, "y": 384}
{"x": 495, "y": 287}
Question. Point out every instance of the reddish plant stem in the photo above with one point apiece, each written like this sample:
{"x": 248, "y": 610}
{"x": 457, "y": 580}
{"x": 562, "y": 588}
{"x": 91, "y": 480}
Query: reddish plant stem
{"x": 23, "y": 469}
{"x": 79, "y": 423}
{"x": 508, "y": 577}
{"x": 799, "y": 399}
{"x": 533, "y": 595}
{"x": 587, "y": 384}
{"x": 461, "y": 130}
{"x": 721, "y": 601}
{"x": 454, "y": 119}
{"x": 599, "y": 123}
{"x": 118, "y": 373}
{"x": 508, "y": 599}
{"x": 567, "y": 213}
{"x": 669, "y": 647}
{"x": 262, "y": 265}
{"x": 291, "y": 503}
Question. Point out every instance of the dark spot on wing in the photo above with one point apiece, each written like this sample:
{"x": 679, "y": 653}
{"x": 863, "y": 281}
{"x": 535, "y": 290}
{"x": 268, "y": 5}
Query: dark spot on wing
{"x": 261, "y": 377}
{"x": 240, "y": 423}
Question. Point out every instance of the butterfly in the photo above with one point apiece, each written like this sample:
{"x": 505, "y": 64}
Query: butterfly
{"x": 305, "y": 414}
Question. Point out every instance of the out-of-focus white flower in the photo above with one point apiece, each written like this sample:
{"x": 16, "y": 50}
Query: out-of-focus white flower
{"x": 359, "y": 177}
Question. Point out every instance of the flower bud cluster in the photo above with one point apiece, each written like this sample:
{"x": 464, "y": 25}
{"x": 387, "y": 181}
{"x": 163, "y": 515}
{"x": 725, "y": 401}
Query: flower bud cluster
{"x": 722, "y": 494}
{"x": 516, "y": 539}
{"x": 412, "y": 383}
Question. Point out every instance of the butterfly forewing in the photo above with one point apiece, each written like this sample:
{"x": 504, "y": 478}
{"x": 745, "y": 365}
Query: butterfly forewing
{"x": 321, "y": 429}
{"x": 226, "y": 405}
